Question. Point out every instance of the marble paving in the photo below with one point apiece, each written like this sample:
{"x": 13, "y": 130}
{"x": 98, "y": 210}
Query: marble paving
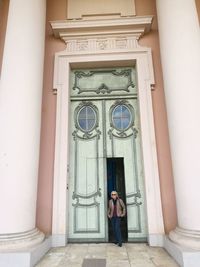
{"x": 129, "y": 255}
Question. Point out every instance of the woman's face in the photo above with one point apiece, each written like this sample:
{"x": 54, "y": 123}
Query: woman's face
{"x": 114, "y": 195}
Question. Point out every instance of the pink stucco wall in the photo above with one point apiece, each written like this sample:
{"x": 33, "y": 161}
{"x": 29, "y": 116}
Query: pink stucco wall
{"x": 198, "y": 8}
{"x": 56, "y": 10}
{"x": 148, "y": 7}
{"x": 4, "y": 4}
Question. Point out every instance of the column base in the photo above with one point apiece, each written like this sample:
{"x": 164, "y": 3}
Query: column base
{"x": 186, "y": 238}
{"x": 185, "y": 257}
{"x": 27, "y": 257}
{"x": 18, "y": 241}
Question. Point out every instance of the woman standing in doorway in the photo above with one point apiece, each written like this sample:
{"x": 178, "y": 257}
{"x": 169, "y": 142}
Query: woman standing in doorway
{"x": 116, "y": 210}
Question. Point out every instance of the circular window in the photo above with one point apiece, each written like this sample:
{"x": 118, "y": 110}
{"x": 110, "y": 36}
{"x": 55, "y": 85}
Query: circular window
{"x": 86, "y": 118}
{"x": 121, "y": 117}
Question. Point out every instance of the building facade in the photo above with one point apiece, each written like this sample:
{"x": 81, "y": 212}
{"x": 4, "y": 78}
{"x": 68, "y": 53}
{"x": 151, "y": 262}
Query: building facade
{"x": 94, "y": 97}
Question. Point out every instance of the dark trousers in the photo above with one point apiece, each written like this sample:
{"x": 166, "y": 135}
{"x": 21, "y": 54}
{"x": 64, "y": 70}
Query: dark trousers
{"x": 116, "y": 229}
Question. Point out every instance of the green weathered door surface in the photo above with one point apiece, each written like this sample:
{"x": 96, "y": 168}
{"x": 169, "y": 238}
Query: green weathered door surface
{"x": 104, "y": 124}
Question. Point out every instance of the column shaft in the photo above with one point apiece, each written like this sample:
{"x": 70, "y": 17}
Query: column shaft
{"x": 180, "y": 54}
{"x": 20, "y": 115}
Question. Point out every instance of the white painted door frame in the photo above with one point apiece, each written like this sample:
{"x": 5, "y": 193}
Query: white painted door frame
{"x": 142, "y": 59}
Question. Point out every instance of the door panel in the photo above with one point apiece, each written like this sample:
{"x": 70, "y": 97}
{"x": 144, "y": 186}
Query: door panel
{"x": 125, "y": 143}
{"x": 86, "y": 194}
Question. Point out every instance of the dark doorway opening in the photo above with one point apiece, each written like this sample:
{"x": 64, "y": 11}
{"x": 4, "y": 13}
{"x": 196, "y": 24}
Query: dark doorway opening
{"x": 116, "y": 182}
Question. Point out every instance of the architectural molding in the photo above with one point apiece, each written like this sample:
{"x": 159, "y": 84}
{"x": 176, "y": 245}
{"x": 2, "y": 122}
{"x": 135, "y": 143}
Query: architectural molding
{"x": 27, "y": 257}
{"x": 184, "y": 256}
{"x": 63, "y": 63}
{"x": 9, "y": 242}
{"x": 186, "y": 238}
{"x": 103, "y": 88}
{"x": 77, "y": 9}
{"x": 85, "y": 36}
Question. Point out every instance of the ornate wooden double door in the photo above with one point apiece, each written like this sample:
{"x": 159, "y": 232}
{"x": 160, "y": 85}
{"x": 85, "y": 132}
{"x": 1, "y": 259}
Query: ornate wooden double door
{"x": 104, "y": 124}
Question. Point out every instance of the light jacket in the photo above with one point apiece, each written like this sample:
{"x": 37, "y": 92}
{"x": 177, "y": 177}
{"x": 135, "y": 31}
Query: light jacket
{"x": 121, "y": 209}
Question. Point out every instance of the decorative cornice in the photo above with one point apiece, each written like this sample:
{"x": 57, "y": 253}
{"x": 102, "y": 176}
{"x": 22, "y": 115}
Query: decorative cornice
{"x": 69, "y": 28}
{"x": 99, "y": 34}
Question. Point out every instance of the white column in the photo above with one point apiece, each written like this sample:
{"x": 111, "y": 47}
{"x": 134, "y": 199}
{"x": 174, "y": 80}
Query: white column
{"x": 20, "y": 116}
{"x": 180, "y": 54}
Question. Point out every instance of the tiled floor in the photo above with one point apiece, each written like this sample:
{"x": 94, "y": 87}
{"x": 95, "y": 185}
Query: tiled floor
{"x": 130, "y": 255}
